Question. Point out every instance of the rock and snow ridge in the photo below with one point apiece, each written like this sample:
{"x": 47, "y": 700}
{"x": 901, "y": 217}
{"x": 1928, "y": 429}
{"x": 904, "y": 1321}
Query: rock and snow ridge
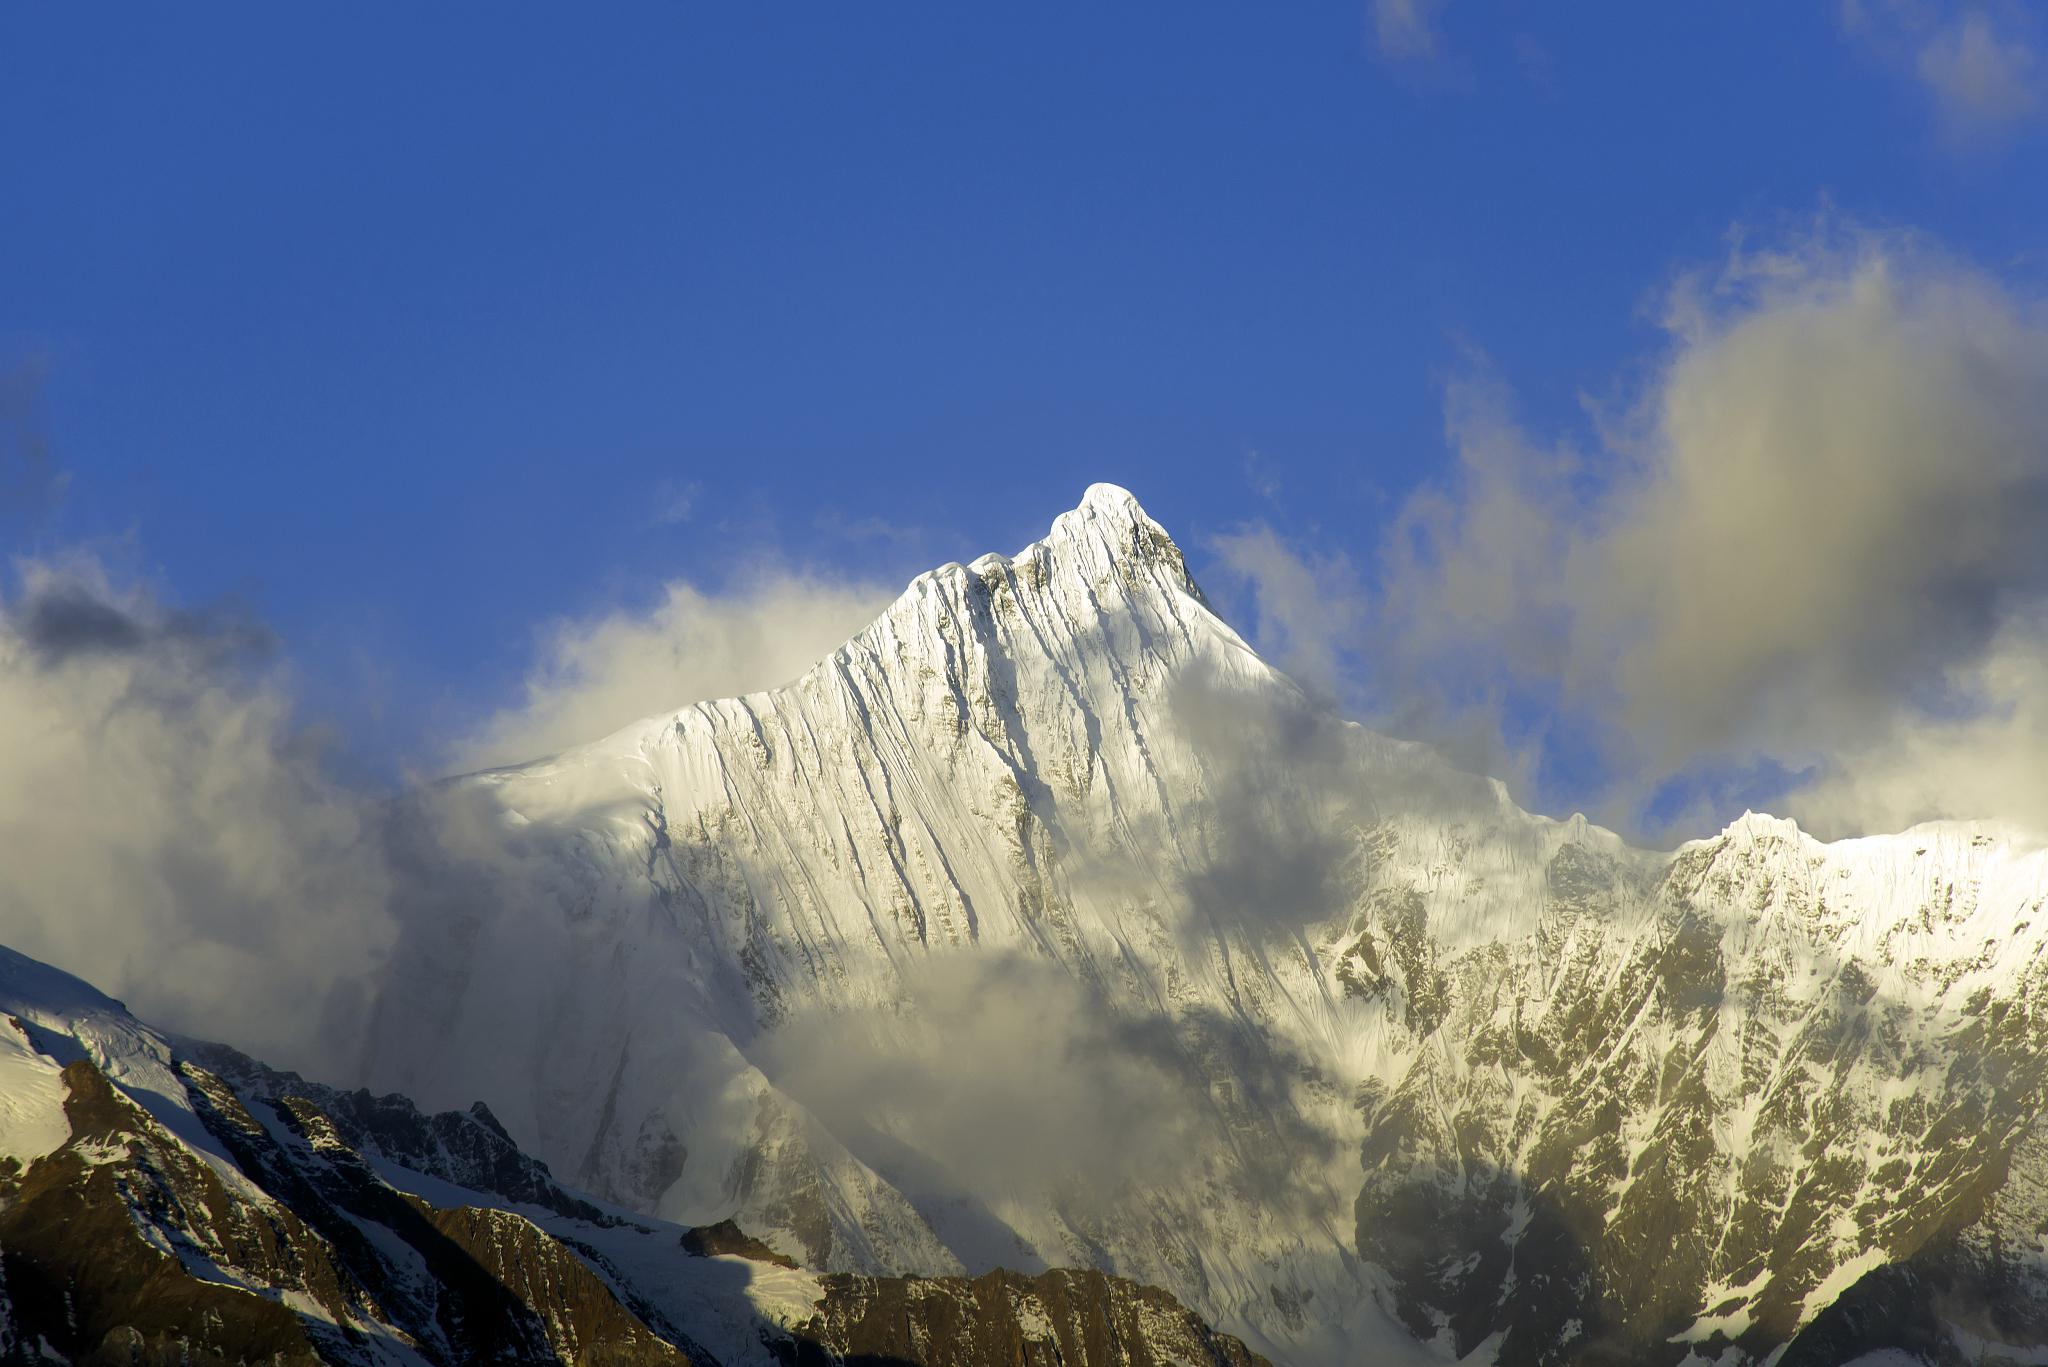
{"x": 165, "y": 1201}
{"x": 1356, "y": 1056}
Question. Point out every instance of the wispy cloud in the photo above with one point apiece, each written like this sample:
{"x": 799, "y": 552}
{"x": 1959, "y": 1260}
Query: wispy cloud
{"x": 1308, "y": 608}
{"x": 1260, "y": 475}
{"x": 1406, "y": 29}
{"x": 1980, "y": 74}
{"x": 675, "y": 503}
{"x": 595, "y": 674}
{"x": 1978, "y": 63}
{"x": 1537, "y": 65}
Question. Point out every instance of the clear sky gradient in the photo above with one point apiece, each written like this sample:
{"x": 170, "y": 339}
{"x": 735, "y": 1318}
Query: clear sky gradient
{"x": 416, "y": 327}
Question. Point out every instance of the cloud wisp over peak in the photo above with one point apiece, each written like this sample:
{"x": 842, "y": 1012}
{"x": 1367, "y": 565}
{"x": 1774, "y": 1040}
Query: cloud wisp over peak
{"x": 595, "y": 674}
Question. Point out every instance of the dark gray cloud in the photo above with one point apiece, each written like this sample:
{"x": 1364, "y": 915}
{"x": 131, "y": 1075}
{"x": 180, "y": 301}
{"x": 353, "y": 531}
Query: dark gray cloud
{"x": 65, "y": 615}
{"x": 66, "y": 618}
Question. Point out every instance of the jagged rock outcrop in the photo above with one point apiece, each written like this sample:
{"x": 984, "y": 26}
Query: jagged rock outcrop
{"x": 254, "y": 1241}
{"x": 96, "y": 1241}
{"x": 466, "y": 1148}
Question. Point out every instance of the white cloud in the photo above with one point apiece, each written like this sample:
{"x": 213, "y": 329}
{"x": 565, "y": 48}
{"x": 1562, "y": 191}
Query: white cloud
{"x": 595, "y": 675}
{"x": 1988, "y": 757}
{"x": 1003, "y": 1070}
{"x": 167, "y": 832}
{"x": 1829, "y": 510}
{"x": 1813, "y": 543}
{"x": 1841, "y": 498}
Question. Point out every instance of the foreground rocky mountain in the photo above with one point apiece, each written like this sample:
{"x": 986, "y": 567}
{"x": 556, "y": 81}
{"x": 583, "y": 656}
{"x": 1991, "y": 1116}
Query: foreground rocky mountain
{"x": 1044, "y": 924}
{"x": 162, "y": 1202}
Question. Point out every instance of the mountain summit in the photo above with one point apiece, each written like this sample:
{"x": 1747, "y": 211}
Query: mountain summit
{"x": 1044, "y": 924}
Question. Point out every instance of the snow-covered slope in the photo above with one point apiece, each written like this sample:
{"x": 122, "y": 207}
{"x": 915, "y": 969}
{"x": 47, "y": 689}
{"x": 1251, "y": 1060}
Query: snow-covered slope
{"x": 1171, "y": 973}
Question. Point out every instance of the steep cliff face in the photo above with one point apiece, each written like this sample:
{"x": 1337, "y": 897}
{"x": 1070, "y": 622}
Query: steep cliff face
{"x": 155, "y": 1210}
{"x": 1411, "y": 1067}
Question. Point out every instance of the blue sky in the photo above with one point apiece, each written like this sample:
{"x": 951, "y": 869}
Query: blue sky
{"x": 417, "y": 328}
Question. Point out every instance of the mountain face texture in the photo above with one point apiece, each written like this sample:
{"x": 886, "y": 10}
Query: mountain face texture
{"x": 1040, "y": 947}
{"x": 156, "y": 1211}
{"x": 1178, "y": 977}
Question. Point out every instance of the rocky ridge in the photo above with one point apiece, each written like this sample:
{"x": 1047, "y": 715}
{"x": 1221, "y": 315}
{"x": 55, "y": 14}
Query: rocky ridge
{"x": 158, "y": 1210}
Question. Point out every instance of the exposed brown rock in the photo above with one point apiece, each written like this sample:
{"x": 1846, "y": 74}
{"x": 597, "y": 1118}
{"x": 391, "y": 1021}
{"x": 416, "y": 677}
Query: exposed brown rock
{"x": 726, "y": 1237}
{"x": 1006, "y": 1319}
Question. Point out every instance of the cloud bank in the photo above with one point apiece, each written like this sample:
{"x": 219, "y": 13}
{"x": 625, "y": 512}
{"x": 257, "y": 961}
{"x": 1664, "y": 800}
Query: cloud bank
{"x": 1812, "y": 543}
{"x": 165, "y": 829}
{"x": 173, "y": 831}
{"x": 1003, "y": 1070}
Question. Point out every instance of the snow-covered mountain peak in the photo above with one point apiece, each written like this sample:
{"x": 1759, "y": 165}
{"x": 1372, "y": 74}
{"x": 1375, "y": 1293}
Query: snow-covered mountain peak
{"x": 1048, "y": 820}
{"x": 1758, "y": 830}
{"x": 1107, "y": 536}
{"x": 1056, "y": 636}
{"x": 1113, "y": 499}
{"x": 1112, "y": 513}
{"x": 1109, "y": 517}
